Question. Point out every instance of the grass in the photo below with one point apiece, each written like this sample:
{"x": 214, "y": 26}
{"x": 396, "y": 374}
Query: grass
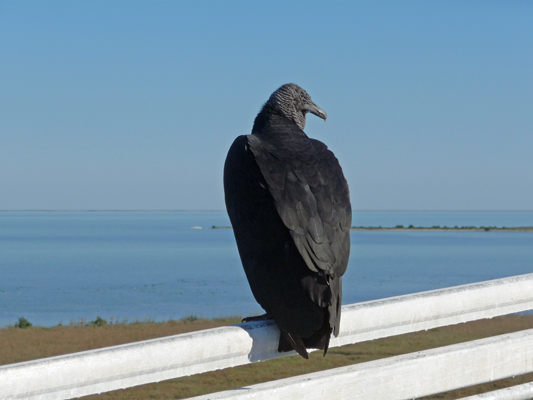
{"x": 18, "y": 345}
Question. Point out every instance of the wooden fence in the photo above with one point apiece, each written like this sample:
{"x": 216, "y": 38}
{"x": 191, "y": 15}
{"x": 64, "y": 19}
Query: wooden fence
{"x": 401, "y": 377}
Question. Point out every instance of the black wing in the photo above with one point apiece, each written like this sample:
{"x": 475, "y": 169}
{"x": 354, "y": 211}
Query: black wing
{"x": 273, "y": 265}
{"x": 289, "y": 206}
{"x": 311, "y": 196}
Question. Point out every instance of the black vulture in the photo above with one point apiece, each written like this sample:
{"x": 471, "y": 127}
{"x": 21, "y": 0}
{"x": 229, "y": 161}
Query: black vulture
{"x": 289, "y": 205}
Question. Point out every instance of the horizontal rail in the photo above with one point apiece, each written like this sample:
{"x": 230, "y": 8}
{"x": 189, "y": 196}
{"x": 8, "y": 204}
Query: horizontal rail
{"x": 403, "y": 377}
{"x": 132, "y": 364}
{"x": 427, "y": 310}
{"x": 518, "y": 392}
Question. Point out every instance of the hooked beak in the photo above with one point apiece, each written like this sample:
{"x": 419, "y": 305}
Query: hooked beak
{"x": 314, "y": 109}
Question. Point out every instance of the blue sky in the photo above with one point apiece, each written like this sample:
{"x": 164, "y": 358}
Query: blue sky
{"x": 134, "y": 104}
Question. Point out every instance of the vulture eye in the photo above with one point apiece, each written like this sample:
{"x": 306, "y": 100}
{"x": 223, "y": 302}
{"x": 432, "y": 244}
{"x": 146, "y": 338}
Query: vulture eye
{"x": 302, "y": 97}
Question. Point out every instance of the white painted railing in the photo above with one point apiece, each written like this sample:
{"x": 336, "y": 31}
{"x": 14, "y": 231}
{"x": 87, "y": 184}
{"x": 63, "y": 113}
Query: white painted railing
{"x": 402, "y": 377}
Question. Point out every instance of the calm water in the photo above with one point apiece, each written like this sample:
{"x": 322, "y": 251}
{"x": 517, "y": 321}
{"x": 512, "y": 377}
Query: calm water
{"x": 61, "y": 266}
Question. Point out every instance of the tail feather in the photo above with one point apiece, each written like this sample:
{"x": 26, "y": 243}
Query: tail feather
{"x": 321, "y": 337}
{"x": 318, "y": 340}
{"x": 288, "y": 342}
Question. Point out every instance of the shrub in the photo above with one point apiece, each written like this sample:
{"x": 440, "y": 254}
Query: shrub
{"x": 23, "y": 323}
{"x": 99, "y": 321}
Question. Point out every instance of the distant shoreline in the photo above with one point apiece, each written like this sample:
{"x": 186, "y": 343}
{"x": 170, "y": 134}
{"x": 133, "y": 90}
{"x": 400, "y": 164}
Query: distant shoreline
{"x": 445, "y": 228}
{"x": 412, "y": 228}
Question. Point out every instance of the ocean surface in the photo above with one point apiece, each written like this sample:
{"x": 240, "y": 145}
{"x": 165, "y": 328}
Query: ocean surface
{"x": 67, "y": 267}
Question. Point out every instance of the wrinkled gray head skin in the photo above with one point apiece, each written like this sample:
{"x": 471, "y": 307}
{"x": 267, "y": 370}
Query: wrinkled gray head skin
{"x": 294, "y": 103}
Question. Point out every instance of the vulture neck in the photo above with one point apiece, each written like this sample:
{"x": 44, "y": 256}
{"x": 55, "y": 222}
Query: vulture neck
{"x": 269, "y": 117}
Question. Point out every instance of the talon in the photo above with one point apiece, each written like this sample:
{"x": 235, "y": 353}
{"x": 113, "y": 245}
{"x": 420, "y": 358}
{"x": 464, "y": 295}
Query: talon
{"x": 263, "y": 317}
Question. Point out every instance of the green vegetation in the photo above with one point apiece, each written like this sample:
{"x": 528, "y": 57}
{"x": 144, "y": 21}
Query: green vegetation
{"x": 23, "y": 323}
{"x": 447, "y": 228}
{"x": 431, "y": 228}
{"x": 99, "y": 321}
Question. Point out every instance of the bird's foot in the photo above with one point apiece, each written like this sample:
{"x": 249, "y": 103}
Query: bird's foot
{"x": 263, "y": 317}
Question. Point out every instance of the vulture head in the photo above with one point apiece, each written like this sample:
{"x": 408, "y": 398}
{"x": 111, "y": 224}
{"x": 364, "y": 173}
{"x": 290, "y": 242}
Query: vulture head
{"x": 294, "y": 103}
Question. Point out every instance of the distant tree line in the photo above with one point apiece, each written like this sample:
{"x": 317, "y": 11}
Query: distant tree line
{"x": 485, "y": 228}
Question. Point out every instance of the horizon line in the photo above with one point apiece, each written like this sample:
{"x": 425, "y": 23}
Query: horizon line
{"x": 214, "y": 210}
